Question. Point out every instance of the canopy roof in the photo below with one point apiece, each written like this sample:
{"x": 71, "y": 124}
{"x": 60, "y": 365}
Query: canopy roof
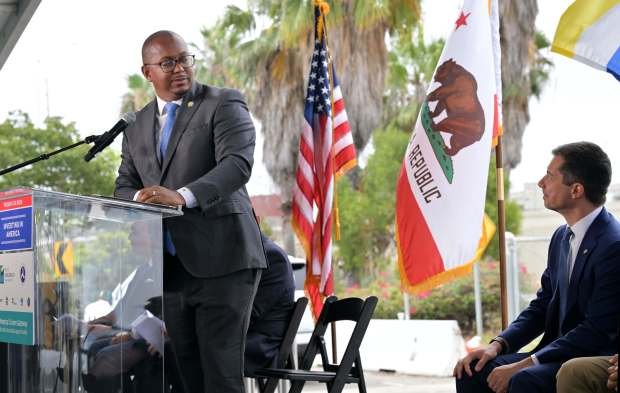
{"x": 14, "y": 16}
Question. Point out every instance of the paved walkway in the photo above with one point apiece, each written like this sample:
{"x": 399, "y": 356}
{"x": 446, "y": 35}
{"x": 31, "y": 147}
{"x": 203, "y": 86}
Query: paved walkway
{"x": 395, "y": 383}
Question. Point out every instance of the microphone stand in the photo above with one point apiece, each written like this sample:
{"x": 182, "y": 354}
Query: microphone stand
{"x": 45, "y": 156}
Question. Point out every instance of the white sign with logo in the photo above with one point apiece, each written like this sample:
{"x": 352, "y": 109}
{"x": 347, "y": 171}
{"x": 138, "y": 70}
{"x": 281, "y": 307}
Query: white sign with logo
{"x": 17, "y": 290}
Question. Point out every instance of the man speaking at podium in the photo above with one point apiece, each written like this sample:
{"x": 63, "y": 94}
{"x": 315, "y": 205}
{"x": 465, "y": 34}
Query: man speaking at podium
{"x": 193, "y": 146}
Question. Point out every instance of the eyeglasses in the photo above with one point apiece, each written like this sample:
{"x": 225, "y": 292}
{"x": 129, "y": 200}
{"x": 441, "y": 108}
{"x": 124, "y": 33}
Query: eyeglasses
{"x": 169, "y": 65}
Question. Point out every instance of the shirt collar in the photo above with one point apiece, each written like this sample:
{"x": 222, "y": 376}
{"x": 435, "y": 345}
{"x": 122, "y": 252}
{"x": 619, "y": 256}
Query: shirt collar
{"x": 161, "y": 103}
{"x": 581, "y": 227}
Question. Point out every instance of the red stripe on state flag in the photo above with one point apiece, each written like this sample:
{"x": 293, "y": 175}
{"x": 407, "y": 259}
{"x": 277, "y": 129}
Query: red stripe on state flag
{"x": 419, "y": 258}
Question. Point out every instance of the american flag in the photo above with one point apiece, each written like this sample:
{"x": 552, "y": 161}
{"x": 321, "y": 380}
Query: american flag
{"x": 326, "y": 151}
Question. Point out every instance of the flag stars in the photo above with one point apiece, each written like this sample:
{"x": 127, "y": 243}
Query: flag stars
{"x": 310, "y": 98}
{"x": 462, "y": 20}
{"x": 311, "y": 87}
{"x": 315, "y": 64}
{"x": 313, "y": 75}
{"x": 325, "y": 90}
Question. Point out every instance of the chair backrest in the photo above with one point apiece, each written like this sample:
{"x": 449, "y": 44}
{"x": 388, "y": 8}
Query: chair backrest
{"x": 284, "y": 353}
{"x": 351, "y": 309}
{"x": 291, "y": 331}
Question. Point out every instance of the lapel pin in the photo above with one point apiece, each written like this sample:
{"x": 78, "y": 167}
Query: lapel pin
{"x": 190, "y": 104}
{"x": 585, "y": 251}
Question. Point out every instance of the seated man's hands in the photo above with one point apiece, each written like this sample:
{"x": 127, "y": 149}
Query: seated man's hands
{"x": 612, "y": 380}
{"x": 483, "y": 355}
{"x": 500, "y": 376}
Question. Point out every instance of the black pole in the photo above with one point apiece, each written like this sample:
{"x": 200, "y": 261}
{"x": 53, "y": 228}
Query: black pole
{"x": 4, "y": 371}
{"x": 45, "y": 156}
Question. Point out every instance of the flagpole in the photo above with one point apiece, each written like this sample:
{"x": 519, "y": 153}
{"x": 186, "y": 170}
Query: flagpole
{"x": 501, "y": 219}
{"x": 324, "y": 9}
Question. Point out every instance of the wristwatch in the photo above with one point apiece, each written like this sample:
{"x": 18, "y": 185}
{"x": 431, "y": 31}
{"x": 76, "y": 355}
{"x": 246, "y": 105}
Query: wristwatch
{"x": 502, "y": 343}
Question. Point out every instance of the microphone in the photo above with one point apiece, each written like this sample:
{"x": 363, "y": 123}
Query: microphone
{"x": 104, "y": 140}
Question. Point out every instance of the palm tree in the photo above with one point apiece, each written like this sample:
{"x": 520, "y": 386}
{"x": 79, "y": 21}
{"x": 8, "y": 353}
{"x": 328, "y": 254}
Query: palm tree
{"x": 524, "y": 71}
{"x": 139, "y": 94}
{"x": 270, "y": 65}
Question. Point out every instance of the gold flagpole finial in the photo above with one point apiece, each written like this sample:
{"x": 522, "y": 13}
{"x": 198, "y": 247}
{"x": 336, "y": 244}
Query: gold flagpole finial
{"x": 323, "y": 6}
{"x": 324, "y": 10}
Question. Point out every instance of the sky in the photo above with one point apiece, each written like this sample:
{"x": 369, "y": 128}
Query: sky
{"x": 74, "y": 57}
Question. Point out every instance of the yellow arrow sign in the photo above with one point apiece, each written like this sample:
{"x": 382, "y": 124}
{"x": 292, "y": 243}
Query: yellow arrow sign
{"x": 63, "y": 258}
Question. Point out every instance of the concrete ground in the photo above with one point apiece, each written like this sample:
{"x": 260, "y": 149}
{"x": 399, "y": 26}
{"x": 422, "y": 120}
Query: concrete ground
{"x": 380, "y": 382}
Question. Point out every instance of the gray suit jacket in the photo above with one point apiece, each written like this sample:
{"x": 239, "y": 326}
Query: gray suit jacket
{"x": 210, "y": 152}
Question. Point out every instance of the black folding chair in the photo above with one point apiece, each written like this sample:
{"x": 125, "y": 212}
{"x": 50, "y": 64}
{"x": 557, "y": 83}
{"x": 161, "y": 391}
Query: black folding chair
{"x": 334, "y": 375}
{"x": 285, "y": 354}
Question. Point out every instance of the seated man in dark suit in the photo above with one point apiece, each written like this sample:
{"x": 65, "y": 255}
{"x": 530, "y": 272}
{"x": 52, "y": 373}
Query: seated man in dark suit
{"x": 576, "y": 307}
{"x": 271, "y": 310}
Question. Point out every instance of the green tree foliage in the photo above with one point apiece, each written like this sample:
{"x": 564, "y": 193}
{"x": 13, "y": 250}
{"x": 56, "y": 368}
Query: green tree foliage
{"x": 541, "y": 65}
{"x": 411, "y": 63}
{"x": 21, "y": 140}
{"x": 367, "y": 213}
{"x": 367, "y": 207}
{"x": 454, "y": 300}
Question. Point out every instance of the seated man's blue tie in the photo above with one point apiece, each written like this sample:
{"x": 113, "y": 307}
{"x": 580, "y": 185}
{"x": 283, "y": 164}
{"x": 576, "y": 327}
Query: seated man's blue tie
{"x": 171, "y": 110}
{"x": 563, "y": 273}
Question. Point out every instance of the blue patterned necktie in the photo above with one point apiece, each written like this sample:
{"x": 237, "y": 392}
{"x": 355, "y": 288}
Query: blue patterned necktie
{"x": 563, "y": 272}
{"x": 170, "y": 109}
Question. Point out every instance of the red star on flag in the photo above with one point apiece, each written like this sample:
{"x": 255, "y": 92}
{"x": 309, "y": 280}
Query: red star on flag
{"x": 462, "y": 20}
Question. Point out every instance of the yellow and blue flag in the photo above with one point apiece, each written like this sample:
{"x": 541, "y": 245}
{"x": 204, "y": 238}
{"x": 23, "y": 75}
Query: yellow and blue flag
{"x": 589, "y": 31}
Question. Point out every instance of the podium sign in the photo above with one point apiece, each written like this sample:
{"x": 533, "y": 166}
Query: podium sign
{"x": 68, "y": 262}
{"x": 17, "y": 278}
{"x": 16, "y": 223}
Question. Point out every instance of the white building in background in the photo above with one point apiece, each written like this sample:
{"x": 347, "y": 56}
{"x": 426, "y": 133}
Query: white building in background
{"x": 539, "y": 223}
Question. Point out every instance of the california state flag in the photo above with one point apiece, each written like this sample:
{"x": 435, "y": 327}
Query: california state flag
{"x": 441, "y": 227}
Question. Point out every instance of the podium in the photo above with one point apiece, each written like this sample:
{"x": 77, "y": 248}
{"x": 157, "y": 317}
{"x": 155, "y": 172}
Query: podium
{"x": 80, "y": 293}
